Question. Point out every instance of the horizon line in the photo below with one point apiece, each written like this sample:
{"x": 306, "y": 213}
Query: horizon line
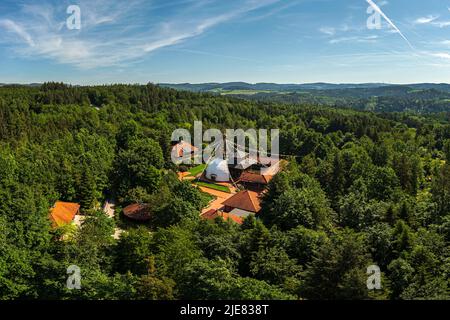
{"x": 225, "y": 82}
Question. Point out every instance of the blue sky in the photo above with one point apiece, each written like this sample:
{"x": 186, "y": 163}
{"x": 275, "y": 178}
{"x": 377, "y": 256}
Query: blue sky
{"x": 283, "y": 41}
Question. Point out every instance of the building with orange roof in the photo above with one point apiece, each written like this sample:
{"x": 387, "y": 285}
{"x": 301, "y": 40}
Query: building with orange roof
{"x": 63, "y": 213}
{"x": 210, "y": 214}
{"x": 246, "y": 202}
{"x": 254, "y": 181}
{"x": 253, "y": 177}
{"x": 232, "y": 217}
{"x": 183, "y": 149}
{"x": 258, "y": 176}
{"x": 213, "y": 214}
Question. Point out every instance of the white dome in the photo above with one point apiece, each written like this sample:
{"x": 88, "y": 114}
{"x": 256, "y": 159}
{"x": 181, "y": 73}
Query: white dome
{"x": 217, "y": 170}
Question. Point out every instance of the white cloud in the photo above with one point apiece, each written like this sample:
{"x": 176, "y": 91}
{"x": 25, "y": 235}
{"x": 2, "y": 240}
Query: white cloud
{"x": 426, "y": 20}
{"x": 13, "y": 27}
{"x": 442, "y": 24}
{"x": 114, "y": 33}
{"x": 332, "y": 31}
{"x": 431, "y": 20}
{"x": 328, "y": 31}
{"x": 372, "y": 38}
{"x": 441, "y": 55}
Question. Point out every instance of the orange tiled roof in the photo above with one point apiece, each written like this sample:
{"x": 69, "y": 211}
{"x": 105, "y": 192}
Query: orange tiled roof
{"x": 63, "y": 213}
{"x": 245, "y": 200}
{"x": 183, "y": 147}
{"x": 233, "y": 217}
{"x": 252, "y": 177}
{"x": 212, "y": 214}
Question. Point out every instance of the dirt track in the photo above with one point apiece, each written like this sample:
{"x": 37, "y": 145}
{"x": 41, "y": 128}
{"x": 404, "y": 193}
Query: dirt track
{"x": 220, "y": 198}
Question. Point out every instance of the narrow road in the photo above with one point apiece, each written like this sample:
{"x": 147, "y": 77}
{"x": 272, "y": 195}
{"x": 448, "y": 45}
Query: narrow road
{"x": 219, "y": 198}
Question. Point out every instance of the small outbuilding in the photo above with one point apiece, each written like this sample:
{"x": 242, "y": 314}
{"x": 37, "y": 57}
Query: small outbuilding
{"x": 213, "y": 214}
{"x": 63, "y": 213}
{"x": 243, "y": 204}
{"x": 183, "y": 148}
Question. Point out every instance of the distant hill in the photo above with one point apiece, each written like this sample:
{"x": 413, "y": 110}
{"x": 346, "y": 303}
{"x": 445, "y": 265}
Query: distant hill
{"x": 380, "y": 97}
{"x": 205, "y": 87}
{"x": 16, "y": 84}
{"x": 378, "y": 88}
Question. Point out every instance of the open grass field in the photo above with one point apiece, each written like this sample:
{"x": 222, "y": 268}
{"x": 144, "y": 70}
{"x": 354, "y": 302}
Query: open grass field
{"x": 196, "y": 170}
{"x": 245, "y": 92}
{"x": 213, "y": 186}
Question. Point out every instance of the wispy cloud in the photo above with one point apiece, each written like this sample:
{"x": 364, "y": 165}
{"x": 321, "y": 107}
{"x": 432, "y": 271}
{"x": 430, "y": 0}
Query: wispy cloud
{"x": 13, "y": 27}
{"x": 442, "y": 24}
{"x": 426, "y": 20}
{"x": 372, "y": 38}
{"x": 431, "y": 20}
{"x": 444, "y": 43}
{"x": 328, "y": 31}
{"x": 441, "y": 55}
{"x": 342, "y": 28}
{"x": 114, "y": 33}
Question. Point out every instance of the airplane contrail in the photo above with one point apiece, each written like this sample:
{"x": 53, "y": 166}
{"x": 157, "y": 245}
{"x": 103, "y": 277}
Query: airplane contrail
{"x": 377, "y": 9}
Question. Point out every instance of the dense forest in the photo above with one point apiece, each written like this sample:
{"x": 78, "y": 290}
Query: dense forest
{"x": 361, "y": 188}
